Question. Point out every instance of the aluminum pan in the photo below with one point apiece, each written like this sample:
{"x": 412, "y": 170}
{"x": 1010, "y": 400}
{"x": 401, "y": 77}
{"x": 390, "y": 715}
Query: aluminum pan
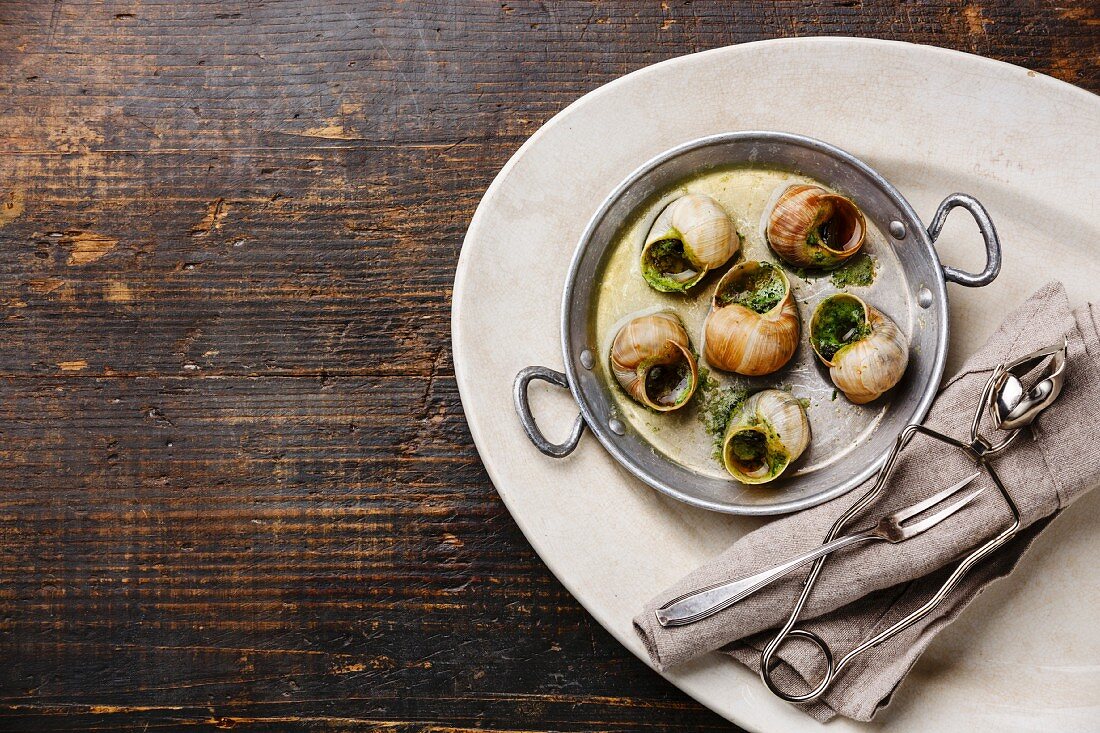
{"x": 880, "y": 202}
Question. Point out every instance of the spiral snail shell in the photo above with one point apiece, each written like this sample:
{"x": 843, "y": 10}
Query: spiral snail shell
{"x": 690, "y": 237}
{"x": 865, "y": 351}
{"x": 753, "y": 325}
{"x": 651, "y": 359}
{"x": 766, "y": 435}
{"x": 814, "y": 228}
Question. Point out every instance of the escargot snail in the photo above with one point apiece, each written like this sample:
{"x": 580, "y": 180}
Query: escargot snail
{"x": 753, "y": 326}
{"x": 814, "y": 228}
{"x": 766, "y": 435}
{"x": 651, "y": 359}
{"x": 691, "y": 236}
{"x": 865, "y": 351}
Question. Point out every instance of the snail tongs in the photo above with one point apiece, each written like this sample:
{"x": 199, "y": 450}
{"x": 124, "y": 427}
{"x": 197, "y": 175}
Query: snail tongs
{"x": 1013, "y": 397}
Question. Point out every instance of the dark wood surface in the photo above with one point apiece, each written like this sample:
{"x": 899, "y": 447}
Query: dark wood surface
{"x": 236, "y": 487}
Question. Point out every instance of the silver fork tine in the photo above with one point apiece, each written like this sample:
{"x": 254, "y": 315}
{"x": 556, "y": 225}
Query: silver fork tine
{"x": 916, "y": 528}
{"x": 911, "y": 511}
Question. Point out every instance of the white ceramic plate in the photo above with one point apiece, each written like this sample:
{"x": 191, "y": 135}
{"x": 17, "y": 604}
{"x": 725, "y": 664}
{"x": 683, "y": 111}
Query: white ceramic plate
{"x": 1026, "y": 654}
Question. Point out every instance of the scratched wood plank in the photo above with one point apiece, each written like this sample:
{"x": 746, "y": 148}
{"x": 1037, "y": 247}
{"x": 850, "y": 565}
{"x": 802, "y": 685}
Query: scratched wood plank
{"x": 237, "y": 489}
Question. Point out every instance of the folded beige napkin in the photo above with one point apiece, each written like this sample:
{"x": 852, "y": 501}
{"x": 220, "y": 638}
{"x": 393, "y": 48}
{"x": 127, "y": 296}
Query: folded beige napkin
{"x": 868, "y": 587}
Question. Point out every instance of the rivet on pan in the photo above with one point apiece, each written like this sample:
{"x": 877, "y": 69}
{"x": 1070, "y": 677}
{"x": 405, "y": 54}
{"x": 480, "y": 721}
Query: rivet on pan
{"x": 616, "y": 426}
{"x": 924, "y": 297}
{"x": 587, "y": 360}
{"x": 897, "y": 229}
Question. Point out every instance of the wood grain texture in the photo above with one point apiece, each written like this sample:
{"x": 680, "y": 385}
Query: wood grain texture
{"x": 237, "y": 489}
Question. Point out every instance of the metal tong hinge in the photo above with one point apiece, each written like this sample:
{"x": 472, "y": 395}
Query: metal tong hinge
{"x": 1011, "y": 405}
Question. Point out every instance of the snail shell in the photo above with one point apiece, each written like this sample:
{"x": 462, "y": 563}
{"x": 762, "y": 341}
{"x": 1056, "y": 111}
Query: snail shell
{"x": 865, "y": 351}
{"x": 690, "y": 237}
{"x": 812, "y": 227}
{"x": 753, "y": 324}
{"x": 651, "y": 358}
{"x": 766, "y": 435}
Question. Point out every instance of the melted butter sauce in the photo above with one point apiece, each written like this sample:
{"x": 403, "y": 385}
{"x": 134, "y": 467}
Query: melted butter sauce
{"x": 747, "y": 194}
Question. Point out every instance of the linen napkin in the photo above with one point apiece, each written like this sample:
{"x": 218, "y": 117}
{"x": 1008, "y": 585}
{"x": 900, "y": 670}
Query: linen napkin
{"x": 866, "y": 588}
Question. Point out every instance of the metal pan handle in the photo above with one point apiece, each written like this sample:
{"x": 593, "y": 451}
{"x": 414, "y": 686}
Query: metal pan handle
{"x": 989, "y": 234}
{"x": 523, "y": 407}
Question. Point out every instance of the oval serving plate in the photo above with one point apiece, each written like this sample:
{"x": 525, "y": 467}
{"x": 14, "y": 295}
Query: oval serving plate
{"x": 744, "y": 171}
{"x": 930, "y": 120}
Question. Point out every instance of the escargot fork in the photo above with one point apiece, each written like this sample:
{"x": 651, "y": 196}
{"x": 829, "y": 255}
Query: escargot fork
{"x": 893, "y": 528}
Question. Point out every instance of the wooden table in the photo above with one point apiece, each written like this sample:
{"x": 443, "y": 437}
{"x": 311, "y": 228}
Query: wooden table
{"x": 237, "y": 487}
